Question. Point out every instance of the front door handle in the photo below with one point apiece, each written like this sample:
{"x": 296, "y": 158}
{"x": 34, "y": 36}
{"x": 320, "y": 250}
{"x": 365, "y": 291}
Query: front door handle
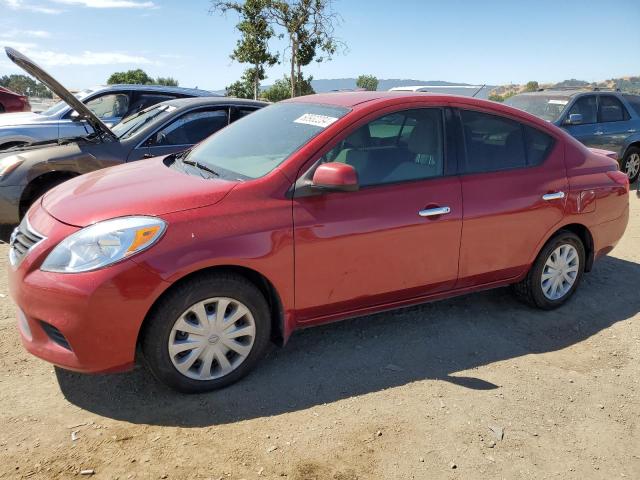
{"x": 434, "y": 212}
{"x": 599, "y": 132}
{"x": 147, "y": 155}
{"x": 553, "y": 196}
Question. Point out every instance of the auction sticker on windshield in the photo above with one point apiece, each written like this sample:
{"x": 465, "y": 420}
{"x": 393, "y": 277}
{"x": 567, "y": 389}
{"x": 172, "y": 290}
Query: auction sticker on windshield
{"x": 558, "y": 102}
{"x": 322, "y": 121}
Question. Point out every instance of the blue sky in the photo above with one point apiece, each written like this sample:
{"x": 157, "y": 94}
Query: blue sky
{"x": 81, "y": 42}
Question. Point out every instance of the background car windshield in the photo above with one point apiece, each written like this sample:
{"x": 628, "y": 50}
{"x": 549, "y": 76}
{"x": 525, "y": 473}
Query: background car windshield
{"x": 58, "y": 107}
{"x": 546, "y": 107}
{"x": 133, "y": 124}
{"x": 258, "y": 143}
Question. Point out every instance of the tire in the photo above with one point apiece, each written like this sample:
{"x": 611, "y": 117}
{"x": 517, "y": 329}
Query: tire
{"x": 38, "y": 192}
{"x": 530, "y": 290}
{"x": 631, "y": 161}
{"x": 178, "y": 309}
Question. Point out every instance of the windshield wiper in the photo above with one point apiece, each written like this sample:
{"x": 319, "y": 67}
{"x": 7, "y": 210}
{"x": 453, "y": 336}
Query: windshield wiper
{"x": 199, "y": 166}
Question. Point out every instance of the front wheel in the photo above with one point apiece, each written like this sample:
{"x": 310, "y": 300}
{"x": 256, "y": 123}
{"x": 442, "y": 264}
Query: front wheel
{"x": 555, "y": 274}
{"x": 207, "y": 333}
{"x": 631, "y": 163}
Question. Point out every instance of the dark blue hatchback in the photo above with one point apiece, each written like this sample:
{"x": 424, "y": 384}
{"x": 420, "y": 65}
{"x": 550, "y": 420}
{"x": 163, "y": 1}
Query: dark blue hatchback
{"x": 604, "y": 119}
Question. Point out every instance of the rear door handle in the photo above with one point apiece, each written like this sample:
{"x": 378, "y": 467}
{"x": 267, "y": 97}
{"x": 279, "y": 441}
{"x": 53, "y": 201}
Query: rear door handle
{"x": 434, "y": 212}
{"x": 599, "y": 132}
{"x": 553, "y": 196}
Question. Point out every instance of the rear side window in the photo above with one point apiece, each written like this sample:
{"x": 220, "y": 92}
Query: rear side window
{"x": 634, "y": 101}
{"x": 538, "y": 145}
{"x": 586, "y": 106}
{"x": 612, "y": 110}
{"x": 492, "y": 143}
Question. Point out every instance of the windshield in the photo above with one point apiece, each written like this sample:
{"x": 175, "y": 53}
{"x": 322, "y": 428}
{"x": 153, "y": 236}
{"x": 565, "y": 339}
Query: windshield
{"x": 58, "y": 107}
{"x": 258, "y": 143}
{"x": 132, "y": 125}
{"x": 547, "y": 107}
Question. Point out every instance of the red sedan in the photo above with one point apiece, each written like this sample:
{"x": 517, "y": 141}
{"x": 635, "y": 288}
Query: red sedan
{"x": 13, "y": 102}
{"x": 308, "y": 211}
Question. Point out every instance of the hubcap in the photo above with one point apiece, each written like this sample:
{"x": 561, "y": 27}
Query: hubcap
{"x": 212, "y": 338}
{"x": 560, "y": 272}
{"x": 632, "y": 166}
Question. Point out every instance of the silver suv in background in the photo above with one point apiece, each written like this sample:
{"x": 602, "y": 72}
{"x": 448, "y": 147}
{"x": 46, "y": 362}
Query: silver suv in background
{"x": 599, "y": 118}
{"x": 110, "y": 104}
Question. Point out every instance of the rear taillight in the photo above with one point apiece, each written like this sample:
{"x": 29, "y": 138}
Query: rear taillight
{"x": 620, "y": 178}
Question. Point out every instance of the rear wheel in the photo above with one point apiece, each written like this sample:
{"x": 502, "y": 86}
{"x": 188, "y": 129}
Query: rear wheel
{"x": 207, "y": 333}
{"x": 555, "y": 274}
{"x": 631, "y": 163}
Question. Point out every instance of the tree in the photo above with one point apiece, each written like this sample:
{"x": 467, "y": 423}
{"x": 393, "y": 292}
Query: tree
{"x": 253, "y": 45}
{"x": 531, "y": 87}
{"x": 243, "y": 88}
{"x": 281, "y": 89}
{"x": 368, "y": 82}
{"x": 167, "y": 81}
{"x": 309, "y": 28}
{"x": 25, "y": 85}
{"x": 138, "y": 76}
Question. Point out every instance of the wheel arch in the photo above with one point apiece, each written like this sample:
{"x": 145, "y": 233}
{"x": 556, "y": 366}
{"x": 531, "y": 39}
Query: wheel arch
{"x": 585, "y": 235}
{"x": 259, "y": 280}
{"x": 35, "y": 185}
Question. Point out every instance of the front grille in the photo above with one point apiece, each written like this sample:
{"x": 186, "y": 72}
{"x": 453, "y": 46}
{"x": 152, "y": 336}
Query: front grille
{"x": 54, "y": 334}
{"x": 23, "y": 239}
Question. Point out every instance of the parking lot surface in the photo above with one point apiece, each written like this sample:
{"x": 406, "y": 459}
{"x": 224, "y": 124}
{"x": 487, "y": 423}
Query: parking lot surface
{"x": 474, "y": 387}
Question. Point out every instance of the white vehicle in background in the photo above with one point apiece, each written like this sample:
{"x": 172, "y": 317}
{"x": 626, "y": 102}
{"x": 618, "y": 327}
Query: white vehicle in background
{"x": 477, "y": 91}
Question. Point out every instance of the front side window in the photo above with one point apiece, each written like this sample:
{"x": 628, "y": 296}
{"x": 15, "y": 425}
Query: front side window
{"x": 492, "y": 143}
{"x": 611, "y": 109}
{"x": 263, "y": 140}
{"x": 394, "y": 148}
{"x": 586, "y": 106}
{"x": 191, "y": 128}
{"x": 134, "y": 124}
{"x": 114, "y": 105}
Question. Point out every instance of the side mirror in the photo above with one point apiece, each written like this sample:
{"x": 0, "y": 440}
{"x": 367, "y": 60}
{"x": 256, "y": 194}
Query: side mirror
{"x": 335, "y": 176}
{"x": 574, "y": 119}
{"x": 75, "y": 116}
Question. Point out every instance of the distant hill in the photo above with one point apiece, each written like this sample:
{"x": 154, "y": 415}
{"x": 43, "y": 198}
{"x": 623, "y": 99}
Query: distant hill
{"x": 328, "y": 85}
{"x": 625, "y": 84}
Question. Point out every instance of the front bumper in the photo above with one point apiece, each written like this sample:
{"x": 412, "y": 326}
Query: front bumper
{"x": 99, "y": 314}
{"x": 10, "y": 204}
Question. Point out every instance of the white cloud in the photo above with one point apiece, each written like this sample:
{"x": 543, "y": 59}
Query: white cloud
{"x": 56, "y": 59}
{"x": 108, "y": 3}
{"x": 13, "y": 33}
{"x": 30, "y": 7}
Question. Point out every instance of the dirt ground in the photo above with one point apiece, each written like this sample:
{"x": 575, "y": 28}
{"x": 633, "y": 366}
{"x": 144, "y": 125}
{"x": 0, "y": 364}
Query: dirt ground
{"x": 469, "y": 388}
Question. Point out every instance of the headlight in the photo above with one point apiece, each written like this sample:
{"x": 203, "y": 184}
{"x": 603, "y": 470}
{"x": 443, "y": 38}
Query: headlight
{"x": 9, "y": 164}
{"x": 104, "y": 243}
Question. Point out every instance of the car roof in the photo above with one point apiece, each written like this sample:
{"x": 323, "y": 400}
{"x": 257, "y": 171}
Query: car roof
{"x": 194, "y": 92}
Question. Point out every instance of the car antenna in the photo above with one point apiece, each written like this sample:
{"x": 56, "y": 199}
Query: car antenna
{"x": 478, "y": 91}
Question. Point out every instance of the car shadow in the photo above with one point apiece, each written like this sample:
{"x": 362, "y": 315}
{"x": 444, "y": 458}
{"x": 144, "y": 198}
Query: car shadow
{"x": 370, "y": 354}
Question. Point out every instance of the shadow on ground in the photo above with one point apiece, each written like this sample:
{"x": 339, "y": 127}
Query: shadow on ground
{"x": 369, "y": 354}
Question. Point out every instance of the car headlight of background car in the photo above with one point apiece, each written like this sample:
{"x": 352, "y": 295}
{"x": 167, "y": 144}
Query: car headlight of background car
{"x": 9, "y": 164}
{"x": 104, "y": 243}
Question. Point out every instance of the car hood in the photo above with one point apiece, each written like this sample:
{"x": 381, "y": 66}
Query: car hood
{"x": 146, "y": 187}
{"x": 20, "y": 118}
{"x": 32, "y": 68}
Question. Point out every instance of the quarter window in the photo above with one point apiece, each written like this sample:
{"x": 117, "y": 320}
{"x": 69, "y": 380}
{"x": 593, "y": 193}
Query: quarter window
{"x": 191, "y": 128}
{"x": 586, "y": 106}
{"x": 492, "y": 143}
{"x": 394, "y": 148}
{"x": 612, "y": 110}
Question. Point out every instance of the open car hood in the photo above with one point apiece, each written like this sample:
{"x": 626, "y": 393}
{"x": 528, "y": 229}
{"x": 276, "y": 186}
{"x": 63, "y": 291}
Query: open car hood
{"x": 32, "y": 68}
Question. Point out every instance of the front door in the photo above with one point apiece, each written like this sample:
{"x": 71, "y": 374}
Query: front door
{"x": 589, "y": 132}
{"x": 386, "y": 242}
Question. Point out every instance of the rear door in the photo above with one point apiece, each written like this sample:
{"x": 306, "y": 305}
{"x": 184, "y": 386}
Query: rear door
{"x": 385, "y": 242}
{"x": 514, "y": 188}
{"x": 183, "y": 132}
